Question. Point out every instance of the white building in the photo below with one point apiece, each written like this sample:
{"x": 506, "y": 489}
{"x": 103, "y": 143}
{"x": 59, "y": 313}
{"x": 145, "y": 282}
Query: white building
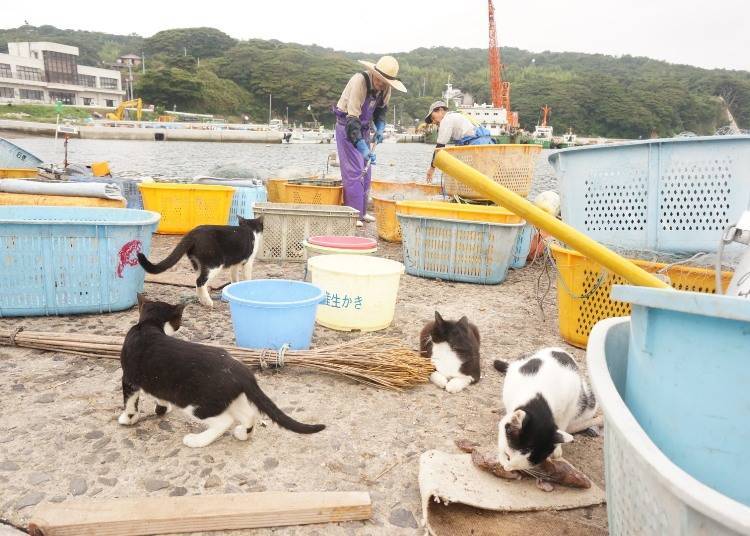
{"x": 36, "y": 73}
{"x": 494, "y": 119}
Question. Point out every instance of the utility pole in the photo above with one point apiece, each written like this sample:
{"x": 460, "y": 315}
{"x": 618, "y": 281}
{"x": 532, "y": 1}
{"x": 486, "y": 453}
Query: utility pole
{"x": 143, "y": 62}
{"x": 270, "y": 100}
{"x": 287, "y": 115}
{"x": 185, "y": 49}
{"x": 130, "y": 78}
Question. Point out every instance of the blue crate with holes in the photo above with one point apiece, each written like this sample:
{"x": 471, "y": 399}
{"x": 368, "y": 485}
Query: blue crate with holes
{"x": 458, "y": 250}
{"x": 129, "y": 188}
{"x": 522, "y": 247}
{"x": 674, "y": 195}
{"x": 69, "y": 260}
{"x": 243, "y": 200}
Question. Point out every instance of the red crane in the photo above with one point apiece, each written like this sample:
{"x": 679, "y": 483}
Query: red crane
{"x": 499, "y": 89}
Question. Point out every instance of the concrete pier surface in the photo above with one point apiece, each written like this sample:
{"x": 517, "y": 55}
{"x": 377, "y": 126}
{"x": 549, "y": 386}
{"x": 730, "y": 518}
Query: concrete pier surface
{"x": 130, "y": 132}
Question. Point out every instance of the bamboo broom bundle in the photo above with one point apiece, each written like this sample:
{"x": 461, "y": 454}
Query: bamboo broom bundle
{"x": 372, "y": 360}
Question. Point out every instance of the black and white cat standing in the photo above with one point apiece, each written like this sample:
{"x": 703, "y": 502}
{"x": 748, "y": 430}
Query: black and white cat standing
{"x": 453, "y": 348}
{"x": 212, "y": 248}
{"x": 546, "y": 400}
{"x": 204, "y": 381}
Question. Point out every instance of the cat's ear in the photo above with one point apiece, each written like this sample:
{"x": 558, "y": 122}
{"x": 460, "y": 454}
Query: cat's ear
{"x": 562, "y": 436}
{"x": 463, "y": 321}
{"x": 179, "y": 309}
{"x": 439, "y": 322}
{"x": 240, "y": 220}
{"x": 516, "y": 421}
{"x": 141, "y": 301}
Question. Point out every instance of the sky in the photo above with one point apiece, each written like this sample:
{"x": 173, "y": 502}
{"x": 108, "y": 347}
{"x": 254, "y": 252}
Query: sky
{"x": 705, "y": 34}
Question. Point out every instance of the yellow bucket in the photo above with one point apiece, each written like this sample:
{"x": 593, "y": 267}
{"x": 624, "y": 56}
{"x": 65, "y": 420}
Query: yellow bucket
{"x": 275, "y": 189}
{"x": 185, "y": 206}
{"x": 100, "y": 169}
{"x": 361, "y": 291}
{"x": 510, "y": 165}
{"x": 321, "y": 192}
{"x": 583, "y": 290}
{"x": 389, "y": 229}
{"x": 59, "y": 201}
{"x": 456, "y": 211}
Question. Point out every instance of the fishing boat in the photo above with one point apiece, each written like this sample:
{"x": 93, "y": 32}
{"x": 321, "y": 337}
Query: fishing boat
{"x": 308, "y": 136}
{"x": 568, "y": 139}
{"x": 543, "y": 131}
{"x": 13, "y": 157}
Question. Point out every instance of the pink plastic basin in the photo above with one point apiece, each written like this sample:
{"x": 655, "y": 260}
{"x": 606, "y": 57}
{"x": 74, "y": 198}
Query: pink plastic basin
{"x": 343, "y": 242}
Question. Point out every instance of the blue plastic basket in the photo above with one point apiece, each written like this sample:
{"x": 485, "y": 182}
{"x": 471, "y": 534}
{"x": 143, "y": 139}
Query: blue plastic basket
{"x": 129, "y": 188}
{"x": 665, "y": 195}
{"x": 271, "y": 313}
{"x": 458, "y": 250}
{"x": 67, "y": 260}
{"x": 522, "y": 246}
{"x": 243, "y": 200}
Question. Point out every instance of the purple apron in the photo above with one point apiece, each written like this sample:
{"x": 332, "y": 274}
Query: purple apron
{"x": 356, "y": 187}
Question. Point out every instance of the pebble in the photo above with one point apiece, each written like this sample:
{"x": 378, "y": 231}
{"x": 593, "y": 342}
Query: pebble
{"x": 107, "y": 481}
{"x": 231, "y": 488}
{"x": 153, "y": 484}
{"x": 78, "y": 486}
{"x": 212, "y": 482}
{"x": 57, "y": 499}
{"x": 128, "y": 443}
{"x": 179, "y": 491}
{"x": 7, "y": 438}
{"x": 173, "y": 453}
{"x": 401, "y": 517}
{"x": 102, "y": 442}
{"x": 94, "y": 434}
{"x": 30, "y": 499}
{"x": 208, "y": 458}
{"x": 46, "y": 398}
{"x": 270, "y": 463}
{"x": 112, "y": 456}
{"x": 206, "y": 471}
{"x": 8, "y": 466}
{"x": 18, "y": 387}
{"x": 38, "y": 478}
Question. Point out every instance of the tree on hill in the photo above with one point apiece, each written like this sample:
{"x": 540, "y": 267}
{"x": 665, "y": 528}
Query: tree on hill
{"x": 196, "y": 42}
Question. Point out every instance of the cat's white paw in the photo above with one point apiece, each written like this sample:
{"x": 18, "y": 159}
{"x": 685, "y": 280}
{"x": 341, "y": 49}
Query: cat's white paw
{"x": 240, "y": 432}
{"x": 195, "y": 441}
{"x": 207, "y": 302}
{"x": 453, "y": 387}
{"x": 557, "y": 453}
{"x": 438, "y": 379}
{"x": 127, "y": 420}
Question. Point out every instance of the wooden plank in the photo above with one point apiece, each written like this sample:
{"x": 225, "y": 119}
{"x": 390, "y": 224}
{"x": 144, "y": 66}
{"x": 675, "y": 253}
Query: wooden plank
{"x": 143, "y": 516}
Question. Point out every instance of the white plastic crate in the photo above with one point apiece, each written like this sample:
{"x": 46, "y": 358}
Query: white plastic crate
{"x": 675, "y": 194}
{"x": 286, "y": 225}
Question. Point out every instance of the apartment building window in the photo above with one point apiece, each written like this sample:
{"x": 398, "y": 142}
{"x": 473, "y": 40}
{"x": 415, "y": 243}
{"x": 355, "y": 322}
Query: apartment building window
{"x": 110, "y": 103}
{"x": 5, "y": 71}
{"x": 28, "y": 73}
{"x": 86, "y": 80}
{"x": 62, "y": 96}
{"x": 88, "y": 101}
{"x": 31, "y": 94}
{"x": 60, "y": 68}
{"x": 7, "y": 93}
{"x": 108, "y": 83}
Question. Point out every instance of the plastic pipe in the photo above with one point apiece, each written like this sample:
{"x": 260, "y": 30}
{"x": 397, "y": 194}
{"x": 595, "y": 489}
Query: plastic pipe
{"x": 515, "y": 203}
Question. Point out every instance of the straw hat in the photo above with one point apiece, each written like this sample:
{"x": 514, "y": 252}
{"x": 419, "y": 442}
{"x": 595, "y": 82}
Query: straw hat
{"x": 387, "y": 67}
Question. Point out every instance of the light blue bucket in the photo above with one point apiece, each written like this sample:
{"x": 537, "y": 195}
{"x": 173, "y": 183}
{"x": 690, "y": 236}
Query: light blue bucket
{"x": 688, "y": 381}
{"x": 271, "y": 313}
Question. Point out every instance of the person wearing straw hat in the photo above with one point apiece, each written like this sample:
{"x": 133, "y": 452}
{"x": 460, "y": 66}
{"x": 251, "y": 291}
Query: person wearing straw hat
{"x": 364, "y": 100}
{"x": 454, "y": 127}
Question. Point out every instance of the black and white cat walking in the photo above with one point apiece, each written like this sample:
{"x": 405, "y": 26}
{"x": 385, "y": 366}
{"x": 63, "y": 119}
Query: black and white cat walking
{"x": 204, "y": 381}
{"x": 212, "y": 248}
{"x": 546, "y": 400}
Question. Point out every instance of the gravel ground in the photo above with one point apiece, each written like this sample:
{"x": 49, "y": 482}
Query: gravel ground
{"x": 59, "y": 437}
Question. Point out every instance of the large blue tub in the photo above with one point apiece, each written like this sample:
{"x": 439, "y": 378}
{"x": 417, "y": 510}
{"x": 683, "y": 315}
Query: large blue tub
{"x": 271, "y": 313}
{"x": 66, "y": 260}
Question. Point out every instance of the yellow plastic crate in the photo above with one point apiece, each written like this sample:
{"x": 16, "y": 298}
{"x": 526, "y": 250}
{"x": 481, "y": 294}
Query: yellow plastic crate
{"x": 382, "y": 188}
{"x": 185, "y": 206}
{"x": 18, "y": 173}
{"x": 457, "y": 211}
{"x": 389, "y": 229}
{"x": 319, "y": 192}
{"x": 275, "y": 187}
{"x": 583, "y": 290}
{"x": 59, "y": 200}
{"x": 509, "y": 165}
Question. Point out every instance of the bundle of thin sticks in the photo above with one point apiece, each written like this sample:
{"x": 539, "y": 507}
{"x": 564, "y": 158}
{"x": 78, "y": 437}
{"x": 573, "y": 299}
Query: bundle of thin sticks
{"x": 377, "y": 361}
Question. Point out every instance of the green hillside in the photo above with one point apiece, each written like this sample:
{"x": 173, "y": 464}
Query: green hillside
{"x": 205, "y": 70}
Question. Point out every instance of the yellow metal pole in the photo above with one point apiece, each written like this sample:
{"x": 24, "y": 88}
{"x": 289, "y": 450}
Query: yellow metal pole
{"x": 580, "y": 242}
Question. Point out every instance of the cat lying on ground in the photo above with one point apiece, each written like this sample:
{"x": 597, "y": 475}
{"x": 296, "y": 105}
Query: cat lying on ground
{"x": 453, "y": 348}
{"x": 204, "y": 381}
{"x": 211, "y": 248}
{"x": 546, "y": 400}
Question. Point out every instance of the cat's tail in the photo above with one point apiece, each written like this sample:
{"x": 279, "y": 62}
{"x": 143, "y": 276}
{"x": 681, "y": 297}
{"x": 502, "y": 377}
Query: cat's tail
{"x": 170, "y": 261}
{"x": 501, "y": 366}
{"x": 266, "y": 405}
